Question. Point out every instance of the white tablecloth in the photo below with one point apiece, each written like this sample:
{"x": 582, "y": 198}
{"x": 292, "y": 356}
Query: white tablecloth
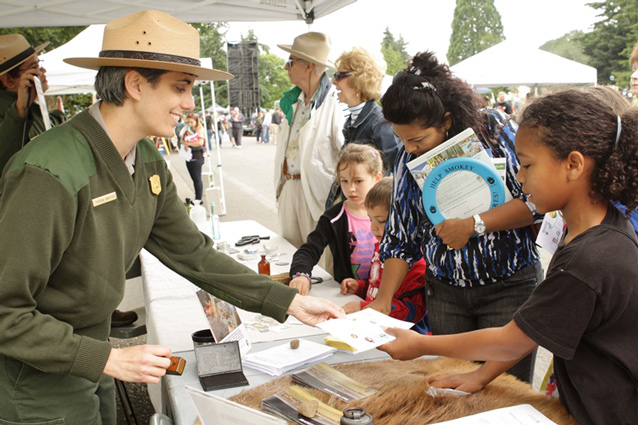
{"x": 173, "y": 311}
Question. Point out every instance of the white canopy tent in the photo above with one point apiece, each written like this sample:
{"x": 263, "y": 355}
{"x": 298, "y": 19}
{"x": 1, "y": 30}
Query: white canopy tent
{"x": 68, "y": 79}
{"x": 509, "y": 64}
{"x": 33, "y": 13}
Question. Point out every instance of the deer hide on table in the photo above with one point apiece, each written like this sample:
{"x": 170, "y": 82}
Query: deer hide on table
{"x": 402, "y": 399}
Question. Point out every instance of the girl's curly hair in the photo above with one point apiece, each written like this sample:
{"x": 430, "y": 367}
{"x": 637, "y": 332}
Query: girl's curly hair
{"x": 573, "y": 120}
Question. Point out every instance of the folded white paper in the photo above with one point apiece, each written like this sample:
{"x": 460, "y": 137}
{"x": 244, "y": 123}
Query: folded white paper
{"x": 363, "y": 330}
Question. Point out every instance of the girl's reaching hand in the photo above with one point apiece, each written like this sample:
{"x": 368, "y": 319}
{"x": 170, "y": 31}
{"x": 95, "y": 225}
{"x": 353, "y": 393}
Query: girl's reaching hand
{"x": 470, "y": 382}
{"x": 405, "y": 346}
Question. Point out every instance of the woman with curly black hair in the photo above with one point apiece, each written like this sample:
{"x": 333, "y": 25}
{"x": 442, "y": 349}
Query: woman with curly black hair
{"x": 471, "y": 282}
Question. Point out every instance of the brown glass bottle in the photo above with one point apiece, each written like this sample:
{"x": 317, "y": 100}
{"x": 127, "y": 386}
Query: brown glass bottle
{"x": 264, "y": 266}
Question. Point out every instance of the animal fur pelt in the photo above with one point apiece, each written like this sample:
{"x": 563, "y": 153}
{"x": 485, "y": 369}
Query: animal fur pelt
{"x": 402, "y": 399}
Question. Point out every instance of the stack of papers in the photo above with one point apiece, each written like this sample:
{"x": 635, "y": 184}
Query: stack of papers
{"x": 278, "y": 360}
{"x": 286, "y": 404}
{"x": 329, "y": 380}
{"x": 363, "y": 330}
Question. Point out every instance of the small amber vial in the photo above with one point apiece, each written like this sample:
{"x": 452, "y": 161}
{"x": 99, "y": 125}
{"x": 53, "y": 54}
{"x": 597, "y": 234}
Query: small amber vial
{"x": 264, "y": 266}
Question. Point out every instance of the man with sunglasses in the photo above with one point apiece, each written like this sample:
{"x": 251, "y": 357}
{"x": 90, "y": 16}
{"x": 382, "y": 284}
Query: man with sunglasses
{"x": 20, "y": 118}
{"x": 310, "y": 137}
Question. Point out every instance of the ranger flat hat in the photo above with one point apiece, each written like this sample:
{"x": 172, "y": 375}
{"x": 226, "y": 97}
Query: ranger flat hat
{"x": 15, "y": 50}
{"x": 151, "y": 39}
{"x": 311, "y": 46}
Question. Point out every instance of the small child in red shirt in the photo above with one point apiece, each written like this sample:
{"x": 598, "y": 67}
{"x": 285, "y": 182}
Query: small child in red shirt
{"x": 408, "y": 303}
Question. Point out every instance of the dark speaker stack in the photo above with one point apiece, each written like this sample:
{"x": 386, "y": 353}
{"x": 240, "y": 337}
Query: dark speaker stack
{"x": 243, "y": 90}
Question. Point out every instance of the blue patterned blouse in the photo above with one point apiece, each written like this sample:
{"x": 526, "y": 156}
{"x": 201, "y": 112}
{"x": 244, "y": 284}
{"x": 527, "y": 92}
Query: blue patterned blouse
{"x": 409, "y": 234}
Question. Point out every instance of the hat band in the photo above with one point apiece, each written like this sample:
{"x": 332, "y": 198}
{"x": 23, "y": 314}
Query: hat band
{"x": 17, "y": 59}
{"x": 150, "y": 56}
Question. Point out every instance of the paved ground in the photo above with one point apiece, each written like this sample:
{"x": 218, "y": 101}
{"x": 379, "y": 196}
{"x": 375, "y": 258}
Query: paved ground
{"x": 249, "y": 194}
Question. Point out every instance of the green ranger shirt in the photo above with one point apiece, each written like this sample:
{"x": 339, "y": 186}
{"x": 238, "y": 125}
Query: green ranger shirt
{"x": 73, "y": 220}
{"x": 12, "y": 125}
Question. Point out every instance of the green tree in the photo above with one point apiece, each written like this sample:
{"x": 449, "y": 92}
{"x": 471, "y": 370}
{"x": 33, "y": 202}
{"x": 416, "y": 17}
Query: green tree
{"x": 612, "y": 40}
{"x": 568, "y": 46}
{"x": 212, "y": 43}
{"x": 475, "y": 27}
{"x": 394, "y": 52}
{"x": 56, "y": 36}
{"x": 251, "y": 37}
{"x": 273, "y": 79}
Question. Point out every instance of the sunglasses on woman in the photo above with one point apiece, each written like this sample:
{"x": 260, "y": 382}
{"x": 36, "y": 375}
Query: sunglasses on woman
{"x": 338, "y": 76}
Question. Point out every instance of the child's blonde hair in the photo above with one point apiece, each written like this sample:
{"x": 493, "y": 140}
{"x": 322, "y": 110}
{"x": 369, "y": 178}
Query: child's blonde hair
{"x": 380, "y": 195}
{"x": 367, "y": 155}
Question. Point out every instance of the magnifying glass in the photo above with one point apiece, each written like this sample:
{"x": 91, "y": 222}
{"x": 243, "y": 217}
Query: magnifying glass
{"x": 460, "y": 188}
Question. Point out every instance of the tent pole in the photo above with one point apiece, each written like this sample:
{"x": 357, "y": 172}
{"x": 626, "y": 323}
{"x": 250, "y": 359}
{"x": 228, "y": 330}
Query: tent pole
{"x": 222, "y": 197}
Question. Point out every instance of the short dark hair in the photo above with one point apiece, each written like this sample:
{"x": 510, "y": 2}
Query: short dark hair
{"x": 109, "y": 81}
{"x": 380, "y": 195}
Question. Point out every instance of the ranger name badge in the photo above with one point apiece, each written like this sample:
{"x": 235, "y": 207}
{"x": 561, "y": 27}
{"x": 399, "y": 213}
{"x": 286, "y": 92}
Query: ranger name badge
{"x": 156, "y": 185}
{"x": 100, "y": 200}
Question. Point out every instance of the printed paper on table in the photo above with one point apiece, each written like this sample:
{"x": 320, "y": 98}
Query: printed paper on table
{"x": 523, "y": 414}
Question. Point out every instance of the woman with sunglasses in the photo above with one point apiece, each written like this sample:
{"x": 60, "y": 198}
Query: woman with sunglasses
{"x": 358, "y": 80}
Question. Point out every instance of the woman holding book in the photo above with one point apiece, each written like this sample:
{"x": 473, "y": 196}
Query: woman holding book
{"x": 479, "y": 269}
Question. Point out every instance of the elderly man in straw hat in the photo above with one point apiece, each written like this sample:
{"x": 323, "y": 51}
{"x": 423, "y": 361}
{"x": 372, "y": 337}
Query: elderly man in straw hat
{"x": 20, "y": 118}
{"x": 78, "y": 204}
{"x": 310, "y": 137}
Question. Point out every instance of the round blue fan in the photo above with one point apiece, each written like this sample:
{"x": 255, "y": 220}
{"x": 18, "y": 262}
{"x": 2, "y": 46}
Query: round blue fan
{"x": 441, "y": 171}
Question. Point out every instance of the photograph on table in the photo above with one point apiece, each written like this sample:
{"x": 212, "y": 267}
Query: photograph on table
{"x": 224, "y": 320}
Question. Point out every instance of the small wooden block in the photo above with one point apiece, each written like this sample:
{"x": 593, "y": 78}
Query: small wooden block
{"x": 177, "y": 366}
{"x": 308, "y": 408}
